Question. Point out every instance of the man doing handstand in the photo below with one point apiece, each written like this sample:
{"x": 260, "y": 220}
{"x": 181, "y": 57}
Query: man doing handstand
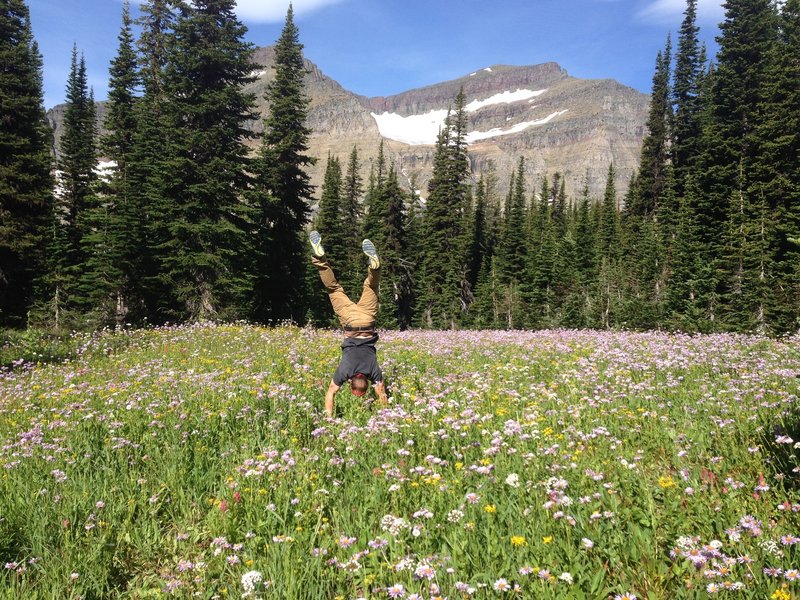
{"x": 359, "y": 363}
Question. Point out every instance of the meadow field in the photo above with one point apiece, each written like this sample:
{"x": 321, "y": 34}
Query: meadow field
{"x": 196, "y": 462}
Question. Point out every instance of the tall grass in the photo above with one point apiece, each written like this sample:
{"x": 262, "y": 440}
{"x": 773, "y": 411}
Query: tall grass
{"x": 564, "y": 464}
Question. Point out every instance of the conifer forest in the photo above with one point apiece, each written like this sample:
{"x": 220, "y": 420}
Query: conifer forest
{"x": 191, "y": 224}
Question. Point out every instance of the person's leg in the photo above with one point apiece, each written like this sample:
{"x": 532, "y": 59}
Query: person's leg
{"x": 369, "y": 296}
{"x": 342, "y": 305}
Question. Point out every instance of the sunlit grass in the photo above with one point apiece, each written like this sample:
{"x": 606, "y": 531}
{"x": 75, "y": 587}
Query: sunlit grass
{"x": 562, "y": 464}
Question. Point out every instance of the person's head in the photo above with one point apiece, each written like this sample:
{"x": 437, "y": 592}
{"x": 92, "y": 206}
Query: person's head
{"x": 359, "y": 384}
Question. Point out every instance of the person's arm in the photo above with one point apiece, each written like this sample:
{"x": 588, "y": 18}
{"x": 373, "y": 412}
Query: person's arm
{"x": 332, "y": 389}
{"x": 380, "y": 390}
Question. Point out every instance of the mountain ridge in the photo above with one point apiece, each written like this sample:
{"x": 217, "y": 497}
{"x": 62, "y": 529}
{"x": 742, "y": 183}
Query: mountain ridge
{"x": 557, "y": 123}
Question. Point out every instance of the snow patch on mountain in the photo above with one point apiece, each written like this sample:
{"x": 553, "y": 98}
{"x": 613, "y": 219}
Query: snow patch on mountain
{"x": 423, "y": 129}
{"x": 474, "y": 136}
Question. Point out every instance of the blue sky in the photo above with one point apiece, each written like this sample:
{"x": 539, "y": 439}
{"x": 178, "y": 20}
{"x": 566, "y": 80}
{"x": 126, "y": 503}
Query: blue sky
{"x": 383, "y": 47}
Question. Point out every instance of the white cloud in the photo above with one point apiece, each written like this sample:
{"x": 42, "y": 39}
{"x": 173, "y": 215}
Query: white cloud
{"x": 671, "y": 11}
{"x": 271, "y": 11}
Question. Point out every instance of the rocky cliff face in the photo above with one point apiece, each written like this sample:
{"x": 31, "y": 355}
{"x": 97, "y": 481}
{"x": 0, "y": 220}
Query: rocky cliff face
{"x": 558, "y": 123}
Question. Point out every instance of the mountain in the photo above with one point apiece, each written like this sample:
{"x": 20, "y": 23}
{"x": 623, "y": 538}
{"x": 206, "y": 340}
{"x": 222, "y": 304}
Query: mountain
{"x": 558, "y": 123}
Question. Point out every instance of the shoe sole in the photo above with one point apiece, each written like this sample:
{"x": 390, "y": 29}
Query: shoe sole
{"x": 369, "y": 249}
{"x": 316, "y": 244}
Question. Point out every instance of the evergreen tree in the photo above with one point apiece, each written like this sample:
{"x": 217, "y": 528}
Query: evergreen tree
{"x": 651, "y": 180}
{"x": 115, "y": 240}
{"x": 476, "y": 236}
{"x": 283, "y": 189}
{"x": 442, "y": 261}
{"x": 203, "y": 260}
{"x": 559, "y": 215}
{"x": 329, "y": 221}
{"x": 512, "y": 249}
{"x": 330, "y": 224}
{"x": 147, "y": 169}
{"x": 686, "y": 97}
{"x": 484, "y": 310}
{"x": 25, "y": 181}
{"x": 397, "y": 283}
{"x": 608, "y": 288}
{"x": 584, "y": 234}
{"x": 690, "y": 299}
{"x": 608, "y": 232}
{"x": 748, "y": 262}
{"x": 776, "y": 172}
{"x": 352, "y": 216}
{"x": 376, "y": 206}
{"x": 75, "y": 198}
{"x": 746, "y": 43}
{"x": 568, "y": 292}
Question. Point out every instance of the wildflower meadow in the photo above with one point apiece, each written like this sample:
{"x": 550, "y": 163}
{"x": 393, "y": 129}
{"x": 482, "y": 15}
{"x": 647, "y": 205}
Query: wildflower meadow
{"x": 196, "y": 462}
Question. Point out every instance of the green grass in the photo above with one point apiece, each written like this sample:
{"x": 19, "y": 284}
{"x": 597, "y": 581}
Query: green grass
{"x": 170, "y": 462}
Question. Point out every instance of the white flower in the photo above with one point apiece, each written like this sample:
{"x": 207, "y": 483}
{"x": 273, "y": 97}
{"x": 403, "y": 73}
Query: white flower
{"x": 455, "y": 515}
{"x": 501, "y": 585}
{"x": 512, "y": 480}
{"x": 250, "y": 581}
{"x": 565, "y": 576}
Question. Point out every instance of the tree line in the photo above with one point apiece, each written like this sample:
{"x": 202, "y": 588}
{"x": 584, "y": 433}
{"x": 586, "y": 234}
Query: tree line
{"x": 189, "y": 224}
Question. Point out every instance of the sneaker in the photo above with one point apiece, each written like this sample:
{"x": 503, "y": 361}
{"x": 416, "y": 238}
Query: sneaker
{"x": 316, "y": 244}
{"x": 369, "y": 249}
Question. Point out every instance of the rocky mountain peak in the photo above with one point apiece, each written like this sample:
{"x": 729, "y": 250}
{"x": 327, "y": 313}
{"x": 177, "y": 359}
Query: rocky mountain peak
{"x": 557, "y": 123}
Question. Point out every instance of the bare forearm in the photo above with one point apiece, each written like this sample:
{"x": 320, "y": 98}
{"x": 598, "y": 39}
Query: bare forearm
{"x": 329, "y": 395}
{"x": 380, "y": 390}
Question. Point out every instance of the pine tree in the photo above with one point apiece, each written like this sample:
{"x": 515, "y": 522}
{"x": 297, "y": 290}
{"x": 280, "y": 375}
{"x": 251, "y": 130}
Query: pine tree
{"x": 25, "y": 181}
{"x": 651, "y": 179}
{"x": 330, "y": 225}
{"x": 585, "y": 237}
{"x": 608, "y": 232}
{"x": 75, "y": 197}
{"x": 568, "y": 294}
{"x": 397, "y": 282}
{"x": 115, "y": 241}
{"x": 352, "y": 215}
{"x": 476, "y": 244}
{"x": 686, "y": 97}
{"x": 729, "y": 143}
{"x": 512, "y": 250}
{"x": 147, "y": 169}
{"x": 329, "y": 221}
{"x": 375, "y": 201}
{"x": 484, "y": 310}
{"x": 204, "y": 258}
{"x": 608, "y": 296}
{"x": 776, "y": 171}
{"x": 442, "y": 262}
{"x": 748, "y": 261}
{"x": 690, "y": 299}
{"x": 283, "y": 189}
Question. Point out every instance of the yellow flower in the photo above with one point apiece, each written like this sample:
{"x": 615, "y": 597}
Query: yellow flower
{"x": 665, "y": 481}
{"x": 547, "y": 539}
{"x": 781, "y": 594}
{"x": 518, "y": 540}
{"x": 490, "y": 508}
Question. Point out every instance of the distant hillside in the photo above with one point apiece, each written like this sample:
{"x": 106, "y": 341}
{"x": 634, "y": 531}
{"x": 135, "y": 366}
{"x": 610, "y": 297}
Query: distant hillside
{"x": 576, "y": 127}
